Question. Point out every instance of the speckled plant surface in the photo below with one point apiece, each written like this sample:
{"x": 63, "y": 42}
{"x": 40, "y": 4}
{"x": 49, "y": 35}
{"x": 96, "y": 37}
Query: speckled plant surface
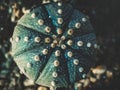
{"x": 53, "y": 44}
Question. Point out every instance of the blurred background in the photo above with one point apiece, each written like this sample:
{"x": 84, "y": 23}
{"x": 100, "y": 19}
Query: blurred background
{"x": 105, "y": 18}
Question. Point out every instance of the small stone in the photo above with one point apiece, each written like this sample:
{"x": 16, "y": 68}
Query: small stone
{"x": 93, "y": 80}
{"x": 85, "y": 82}
{"x": 99, "y": 70}
{"x": 56, "y": 63}
{"x": 78, "y": 86}
{"x": 109, "y": 74}
{"x": 42, "y": 88}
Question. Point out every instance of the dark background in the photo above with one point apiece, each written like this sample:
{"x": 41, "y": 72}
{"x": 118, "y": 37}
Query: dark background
{"x": 105, "y": 18}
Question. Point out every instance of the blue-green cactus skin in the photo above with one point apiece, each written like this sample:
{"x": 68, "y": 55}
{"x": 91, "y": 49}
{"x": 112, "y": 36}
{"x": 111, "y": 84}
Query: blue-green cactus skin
{"x": 70, "y": 67}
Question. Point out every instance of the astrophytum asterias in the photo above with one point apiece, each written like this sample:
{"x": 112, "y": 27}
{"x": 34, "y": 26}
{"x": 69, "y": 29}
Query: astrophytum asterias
{"x": 52, "y": 44}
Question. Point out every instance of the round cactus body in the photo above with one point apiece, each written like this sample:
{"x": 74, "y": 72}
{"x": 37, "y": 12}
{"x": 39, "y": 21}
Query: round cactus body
{"x": 52, "y": 45}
